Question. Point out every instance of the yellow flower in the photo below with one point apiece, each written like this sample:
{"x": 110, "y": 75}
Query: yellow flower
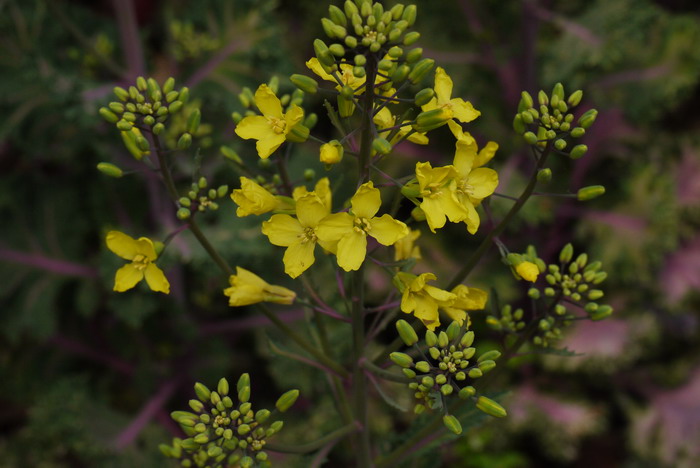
{"x": 385, "y": 119}
{"x": 331, "y": 152}
{"x": 457, "y": 107}
{"x": 272, "y": 127}
{"x": 527, "y": 271}
{"x": 347, "y": 77}
{"x": 465, "y": 140}
{"x": 422, "y": 299}
{"x": 142, "y": 254}
{"x": 473, "y": 183}
{"x": 350, "y": 230}
{"x": 298, "y": 234}
{"x": 467, "y": 299}
{"x": 322, "y": 189}
{"x": 248, "y": 288}
{"x": 405, "y": 248}
{"x": 437, "y": 187}
{"x": 251, "y": 198}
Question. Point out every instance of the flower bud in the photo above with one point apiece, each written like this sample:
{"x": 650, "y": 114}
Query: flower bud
{"x": 229, "y": 153}
{"x": 453, "y": 330}
{"x": 432, "y": 119}
{"x": 487, "y": 365}
{"x": 323, "y": 54}
{"x": 298, "y": 134}
{"x": 406, "y": 332}
{"x": 411, "y": 38}
{"x": 400, "y": 74}
{"x": 337, "y": 16}
{"x": 422, "y": 366}
{"x": 452, "y": 424}
{"x": 590, "y": 192}
{"x": 184, "y": 142}
{"x": 578, "y": 151}
{"x": 193, "y": 121}
{"x": 414, "y": 55}
{"x": 519, "y": 124}
{"x": 420, "y": 70}
{"x": 525, "y": 101}
{"x": 401, "y": 359}
{"x": 331, "y": 152}
{"x": 409, "y": 14}
{"x": 490, "y": 407}
{"x": 489, "y": 355}
{"x": 467, "y": 392}
{"x": 424, "y": 96}
{"x": 601, "y": 312}
{"x": 575, "y": 98}
{"x": 418, "y": 214}
{"x": 566, "y": 253}
{"x": 560, "y": 144}
{"x": 287, "y": 400}
{"x": 467, "y": 340}
{"x": 587, "y": 119}
{"x": 110, "y": 170}
{"x": 381, "y": 145}
{"x": 203, "y": 393}
{"x": 530, "y": 138}
{"x": 544, "y": 176}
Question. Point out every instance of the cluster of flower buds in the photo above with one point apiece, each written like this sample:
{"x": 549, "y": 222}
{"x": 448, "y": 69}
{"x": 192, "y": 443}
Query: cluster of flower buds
{"x": 200, "y": 199}
{"x": 508, "y": 320}
{"x": 146, "y": 106}
{"x": 553, "y": 121}
{"x": 190, "y": 44}
{"x": 224, "y": 433}
{"x": 446, "y": 369}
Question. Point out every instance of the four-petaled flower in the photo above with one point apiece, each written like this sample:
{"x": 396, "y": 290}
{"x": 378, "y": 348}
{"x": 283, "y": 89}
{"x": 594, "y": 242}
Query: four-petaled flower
{"x": 350, "y": 230}
{"x": 248, "y": 288}
{"x": 272, "y": 127}
{"x": 142, "y": 254}
{"x": 467, "y": 299}
{"x": 458, "y": 108}
{"x": 437, "y": 187}
{"x": 421, "y": 299}
{"x": 252, "y": 198}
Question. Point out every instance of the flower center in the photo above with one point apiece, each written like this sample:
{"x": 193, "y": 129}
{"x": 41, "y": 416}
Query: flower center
{"x": 463, "y": 187}
{"x": 140, "y": 262}
{"x": 433, "y": 190}
{"x": 362, "y": 225}
{"x": 278, "y": 125}
{"x": 372, "y": 35}
{"x": 309, "y": 235}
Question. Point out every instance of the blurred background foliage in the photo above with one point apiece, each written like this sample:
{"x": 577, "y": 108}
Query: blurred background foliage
{"x": 88, "y": 377}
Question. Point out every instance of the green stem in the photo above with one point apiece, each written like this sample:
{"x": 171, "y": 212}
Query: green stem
{"x": 385, "y": 374}
{"x": 315, "y": 445}
{"x": 222, "y": 264}
{"x": 486, "y": 243}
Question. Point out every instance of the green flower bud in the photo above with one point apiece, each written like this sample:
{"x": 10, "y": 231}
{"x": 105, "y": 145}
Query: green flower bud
{"x": 406, "y": 332}
{"x": 590, "y": 192}
{"x": 560, "y": 144}
{"x": 587, "y": 119}
{"x": 566, "y": 253}
{"x": 408, "y": 373}
{"x": 350, "y": 8}
{"x": 409, "y": 14}
{"x": 533, "y": 293}
{"x": 414, "y": 55}
{"x": 519, "y": 124}
{"x": 525, "y": 101}
{"x": 475, "y": 373}
{"x": 526, "y": 118}
{"x": 411, "y": 38}
{"x": 467, "y": 340}
{"x": 489, "y": 355}
{"x": 184, "y": 95}
{"x": 578, "y": 132}
{"x": 578, "y": 151}
{"x": 400, "y": 74}
{"x": 110, "y": 170}
{"x": 542, "y": 98}
{"x": 381, "y": 146}
{"x": 244, "y": 394}
{"x": 452, "y": 424}
{"x": 121, "y": 93}
{"x": 595, "y": 294}
{"x": 430, "y": 120}
{"x": 486, "y": 365}
{"x": 420, "y": 70}
{"x": 337, "y": 16}
{"x": 184, "y": 142}
{"x": 430, "y": 338}
{"x": 422, "y": 367}
{"x": 401, "y": 359}
{"x": 323, "y": 54}
{"x": 544, "y": 176}
{"x": 446, "y": 389}
{"x": 490, "y": 407}
{"x": 424, "y": 96}
{"x": 108, "y": 115}
{"x": 287, "y": 400}
{"x": 453, "y": 330}
{"x": 434, "y": 353}
{"x": 298, "y": 134}
{"x": 467, "y": 392}
{"x": 358, "y": 72}
{"x": 443, "y": 341}
{"x": 557, "y": 91}
{"x": 351, "y": 41}
{"x": 601, "y": 313}
{"x": 175, "y": 107}
{"x": 193, "y": 121}
{"x": 124, "y": 126}
{"x": 223, "y": 386}
{"x": 575, "y": 98}
{"x": 530, "y": 138}
{"x": 201, "y": 439}
{"x": 141, "y": 83}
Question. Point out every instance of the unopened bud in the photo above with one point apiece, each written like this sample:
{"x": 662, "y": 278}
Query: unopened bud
{"x": 110, "y": 170}
{"x": 381, "y": 146}
{"x": 490, "y": 407}
{"x": 406, "y": 332}
{"x": 587, "y": 119}
{"x": 420, "y": 70}
{"x": 578, "y": 151}
{"x": 590, "y": 192}
{"x": 544, "y": 176}
{"x": 401, "y": 359}
{"x": 184, "y": 142}
{"x": 287, "y": 400}
{"x": 575, "y": 98}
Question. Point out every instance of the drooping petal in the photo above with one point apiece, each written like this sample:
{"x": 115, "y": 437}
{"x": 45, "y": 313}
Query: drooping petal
{"x": 417, "y": 138}
{"x": 434, "y": 214}
{"x": 315, "y": 66}
{"x": 310, "y": 210}
{"x": 352, "y": 249}
{"x": 366, "y": 201}
{"x": 298, "y": 257}
{"x": 244, "y": 276}
{"x": 252, "y": 198}
{"x": 464, "y": 159}
{"x": 127, "y": 277}
{"x": 123, "y": 245}
{"x": 440, "y": 295}
{"x": 268, "y": 103}
{"x": 333, "y": 227}
{"x": 459, "y": 133}
{"x": 457, "y": 315}
{"x": 470, "y": 298}
{"x": 387, "y": 230}
{"x": 472, "y": 220}
{"x": 454, "y": 210}
{"x": 156, "y": 279}
{"x": 293, "y": 117}
{"x": 426, "y": 310}
{"x": 463, "y": 110}
{"x": 486, "y": 154}
{"x": 323, "y": 190}
{"x": 443, "y": 86}
{"x": 383, "y": 118}
{"x": 268, "y": 146}
{"x": 484, "y": 182}
{"x": 282, "y": 230}
{"x": 254, "y": 126}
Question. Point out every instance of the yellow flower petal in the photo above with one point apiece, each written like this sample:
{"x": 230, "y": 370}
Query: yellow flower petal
{"x": 443, "y": 86}
{"x": 527, "y": 271}
{"x": 417, "y": 138}
{"x": 463, "y": 110}
{"x": 459, "y": 133}
{"x": 333, "y": 227}
{"x": 366, "y": 201}
{"x": 254, "y": 126}
{"x": 298, "y": 257}
{"x": 486, "y": 154}
{"x": 323, "y": 190}
{"x": 127, "y": 277}
{"x": 248, "y": 288}
{"x": 267, "y": 102}
{"x": 387, "y": 230}
{"x": 469, "y": 298}
{"x": 269, "y": 145}
{"x": 352, "y": 249}
{"x": 311, "y": 210}
{"x": 384, "y": 118}
{"x": 464, "y": 159}
{"x": 293, "y": 117}
{"x": 282, "y": 230}
{"x": 457, "y": 315}
{"x": 156, "y": 279}
{"x": 484, "y": 182}
{"x": 405, "y": 248}
{"x": 472, "y": 220}
{"x": 252, "y": 198}
{"x": 315, "y": 66}
{"x": 127, "y": 247}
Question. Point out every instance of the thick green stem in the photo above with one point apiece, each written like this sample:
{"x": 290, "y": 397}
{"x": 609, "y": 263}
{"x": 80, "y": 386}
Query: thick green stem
{"x": 385, "y": 374}
{"x": 315, "y": 445}
{"x": 486, "y": 243}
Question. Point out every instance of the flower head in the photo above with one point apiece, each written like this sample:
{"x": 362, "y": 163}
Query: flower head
{"x": 467, "y": 299}
{"x": 406, "y": 247}
{"x": 272, "y": 127}
{"x": 248, "y": 288}
{"x": 142, "y": 254}
{"x": 350, "y": 230}
{"x": 438, "y": 189}
{"x": 458, "y": 108}
{"x": 527, "y": 271}
{"x": 252, "y": 198}
{"x": 331, "y": 152}
{"x": 422, "y": 299}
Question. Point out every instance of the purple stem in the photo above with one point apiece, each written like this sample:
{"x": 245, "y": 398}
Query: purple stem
{"x": 92, "y": 354}
{"x": 61, "y": 267}
{"x": 129, "y": 35}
